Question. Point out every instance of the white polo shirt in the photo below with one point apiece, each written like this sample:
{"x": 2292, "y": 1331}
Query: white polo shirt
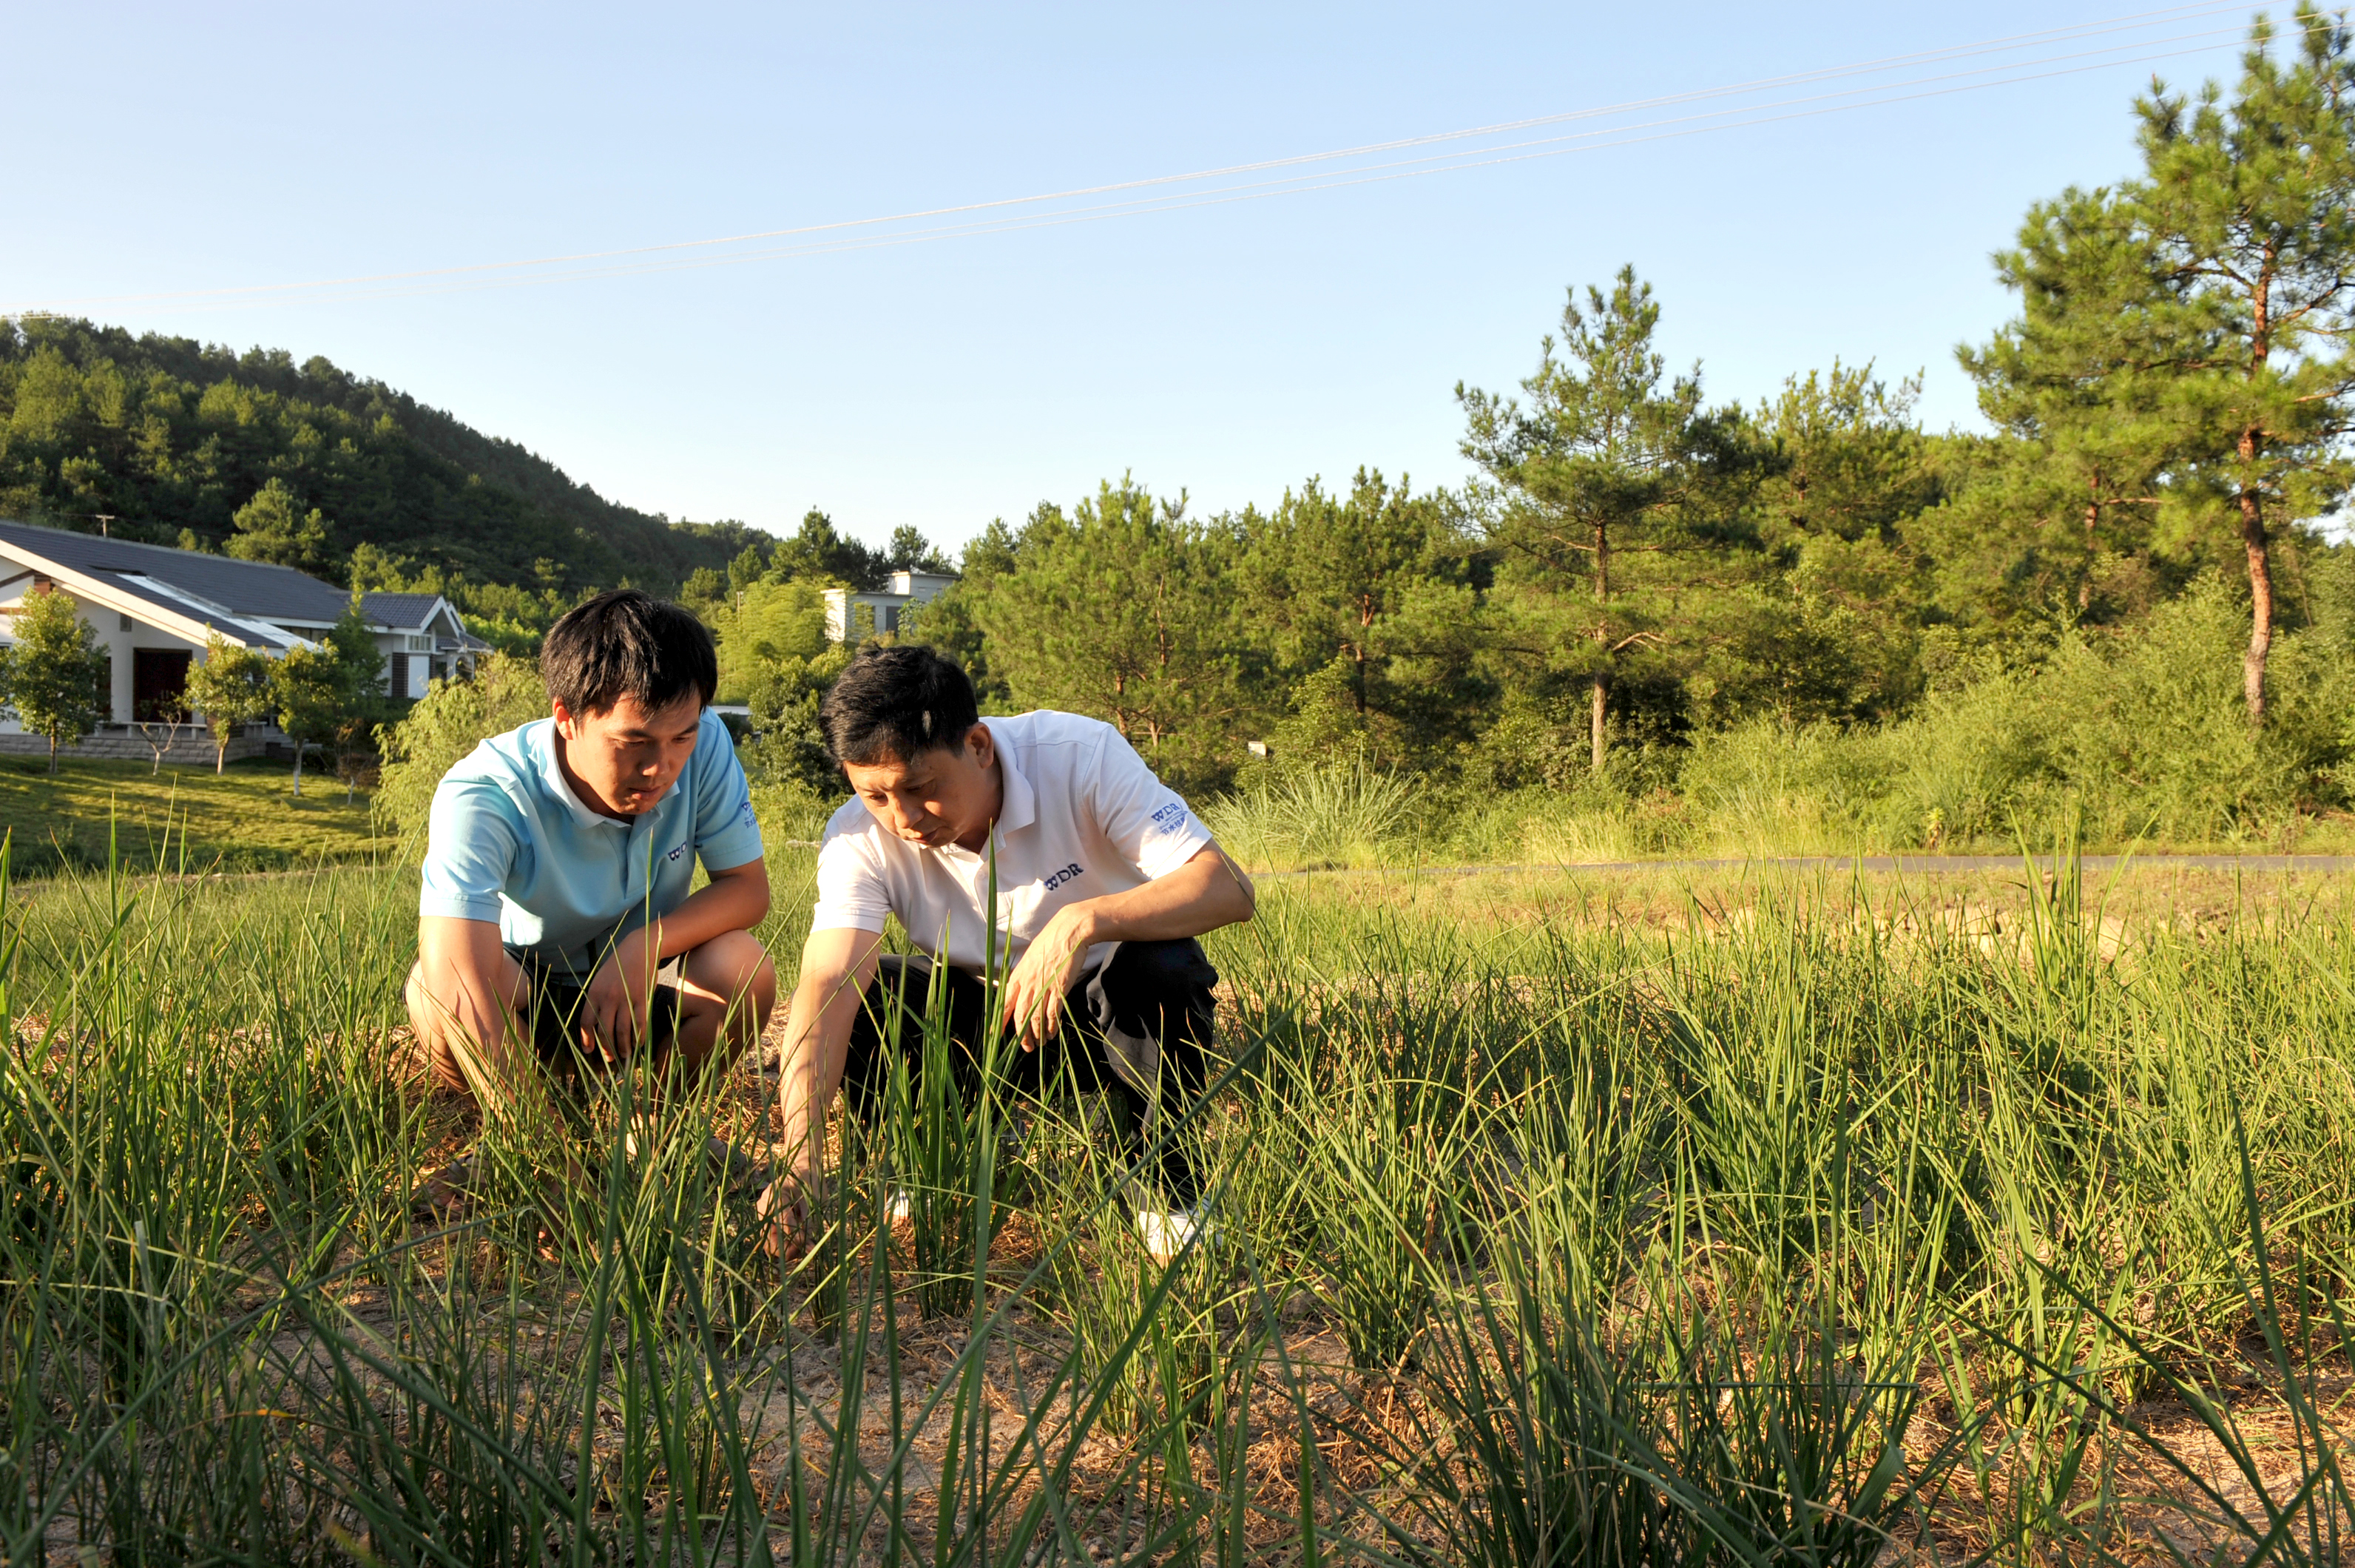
{"x": 1082, "y": 817}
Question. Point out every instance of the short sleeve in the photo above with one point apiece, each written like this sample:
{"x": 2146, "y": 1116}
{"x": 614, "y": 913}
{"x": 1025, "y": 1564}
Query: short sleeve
{"x": 851, "y": 892}
{"x": 1146, "y": 820}
{"x": 473, "y": 839}
{"x": 727, "y": 830}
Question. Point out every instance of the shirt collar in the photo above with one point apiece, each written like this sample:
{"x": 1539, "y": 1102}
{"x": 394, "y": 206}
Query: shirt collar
{"x": 1020, "y": 807}
{"x": 552, "y": 779}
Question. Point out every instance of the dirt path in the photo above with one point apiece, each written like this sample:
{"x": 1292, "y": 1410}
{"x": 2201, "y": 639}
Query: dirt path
{"x": 1901, "y": 864}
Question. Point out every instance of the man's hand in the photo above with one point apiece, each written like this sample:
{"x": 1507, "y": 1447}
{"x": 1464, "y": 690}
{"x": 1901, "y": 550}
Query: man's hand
{"x": 1034, "y": 991}
{"x": 615, "y": 1007}
{"x": 786, "y": 1207}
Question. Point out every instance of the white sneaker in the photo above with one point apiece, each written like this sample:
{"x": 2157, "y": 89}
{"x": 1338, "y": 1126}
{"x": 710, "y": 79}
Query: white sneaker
{"x": 1166, "y": 1232}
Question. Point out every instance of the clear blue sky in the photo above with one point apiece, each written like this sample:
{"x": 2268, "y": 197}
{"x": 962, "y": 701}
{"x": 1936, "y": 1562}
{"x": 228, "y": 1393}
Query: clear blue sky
{"x": 1229, "y": 349}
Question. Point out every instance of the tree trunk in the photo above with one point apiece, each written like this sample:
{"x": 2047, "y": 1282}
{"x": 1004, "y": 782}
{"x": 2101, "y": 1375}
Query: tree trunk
{"x": 2261, "y": 604}
{"x": 2092, "y": 523}
{"x": 53, "y": 756}
{"x": 1601, "y": 638}
{"x": 298, "y": 770}
{"x": 2252, "y": 516}
{"x": 220, "y": 757}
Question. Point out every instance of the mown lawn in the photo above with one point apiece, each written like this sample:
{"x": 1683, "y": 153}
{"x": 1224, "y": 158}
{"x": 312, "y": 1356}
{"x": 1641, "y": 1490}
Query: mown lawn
{"x": 243, "y": 819}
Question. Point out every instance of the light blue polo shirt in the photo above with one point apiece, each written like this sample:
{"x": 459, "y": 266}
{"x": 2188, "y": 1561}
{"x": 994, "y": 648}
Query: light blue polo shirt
{"x": 508, "y": 841}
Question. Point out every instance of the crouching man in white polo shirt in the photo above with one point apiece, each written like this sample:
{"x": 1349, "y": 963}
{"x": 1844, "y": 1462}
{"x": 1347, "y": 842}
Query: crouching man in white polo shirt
{"x": 556, "y": 934}
{"x": 1103, "y": 880}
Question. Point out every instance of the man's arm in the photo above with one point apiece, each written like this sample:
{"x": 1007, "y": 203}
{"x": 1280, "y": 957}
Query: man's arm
{"x": 1205, "y": 893}
{"x": 474, "y": 992}
{"x": 836, "y": 968}
{"x": 736, "y": 899}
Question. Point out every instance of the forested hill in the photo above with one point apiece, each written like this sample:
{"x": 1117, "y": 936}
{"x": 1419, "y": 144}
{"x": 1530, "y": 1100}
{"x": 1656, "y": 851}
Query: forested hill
{"x": 303, "y": 464}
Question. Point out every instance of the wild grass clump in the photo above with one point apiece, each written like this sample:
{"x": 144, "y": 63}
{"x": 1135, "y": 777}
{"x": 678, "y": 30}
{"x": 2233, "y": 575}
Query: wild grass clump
{"x": 1797, "y": 1237}
{"x": 1345, "y": 814}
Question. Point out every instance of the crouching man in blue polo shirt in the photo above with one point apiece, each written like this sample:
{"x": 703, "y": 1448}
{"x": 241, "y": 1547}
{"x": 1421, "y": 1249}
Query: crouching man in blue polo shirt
{"x": 556, "y": 934}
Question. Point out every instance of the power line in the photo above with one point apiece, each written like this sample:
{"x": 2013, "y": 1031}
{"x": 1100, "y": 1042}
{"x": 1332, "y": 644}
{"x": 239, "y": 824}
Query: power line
{"x": 470, "y": 277}
{"x": 1191, "y": 200}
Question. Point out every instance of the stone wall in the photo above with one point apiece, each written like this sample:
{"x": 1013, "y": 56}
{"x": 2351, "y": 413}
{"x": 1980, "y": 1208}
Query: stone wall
{"x": 121, "y": 744}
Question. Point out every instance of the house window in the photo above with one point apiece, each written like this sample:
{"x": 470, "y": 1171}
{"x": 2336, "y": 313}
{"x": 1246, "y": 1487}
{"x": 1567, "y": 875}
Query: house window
{"x": 126, "y": 622}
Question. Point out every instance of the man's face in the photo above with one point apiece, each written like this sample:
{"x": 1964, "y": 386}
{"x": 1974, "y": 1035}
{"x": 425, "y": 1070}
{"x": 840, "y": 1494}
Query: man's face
{"x": 626, "y": 757}
{"x": 946, "y": 795}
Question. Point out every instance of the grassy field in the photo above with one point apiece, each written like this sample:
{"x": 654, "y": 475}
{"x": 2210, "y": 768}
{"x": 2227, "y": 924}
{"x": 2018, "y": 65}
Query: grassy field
{"x": 245, "y": 820}
{"x": 1560, "y": 1221}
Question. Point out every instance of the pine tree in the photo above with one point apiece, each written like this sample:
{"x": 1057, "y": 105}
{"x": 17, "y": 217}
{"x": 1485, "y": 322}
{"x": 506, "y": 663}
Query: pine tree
{"x": 273, "y": 527}
{"x": 1612, "y": 465}
{"x": 1121, "y": 612}
{"x": 2180, "y": 372}
{"x": 364, "y": 680}
{"x": 1376, "y": 586}
{"x": 2079, "y": 386}
{"x": 2250, "y": 207}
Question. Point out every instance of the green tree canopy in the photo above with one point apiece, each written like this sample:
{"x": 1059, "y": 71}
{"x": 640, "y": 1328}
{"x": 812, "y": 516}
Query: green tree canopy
{"x": 230, "y": 688}
{"x": 1824, "y": 622}
{"x": 333, "y": 691}
{"x": 169, "y": 436}
{"x": 2180, "y": 369}
{"x": 1378, "y": 587}
{"x": 1121, "y": 612}
{"x": 767, "y": 622}
{"x": 58, "y": 673}
{"x": 273, "y": 527}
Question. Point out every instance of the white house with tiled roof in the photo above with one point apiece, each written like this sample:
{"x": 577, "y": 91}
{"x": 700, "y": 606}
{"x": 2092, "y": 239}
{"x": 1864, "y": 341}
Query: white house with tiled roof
{"x": 152, "y": 608}
{"x": 852, "y": 616}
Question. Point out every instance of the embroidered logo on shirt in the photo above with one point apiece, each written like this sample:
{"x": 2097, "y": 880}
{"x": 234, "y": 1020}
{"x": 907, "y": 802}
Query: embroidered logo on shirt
{"x": 1169, "y": 816}
{"x": 675, "y": 854}
{"x": 1065, "y": 875}
{"x": 747, "y": 817}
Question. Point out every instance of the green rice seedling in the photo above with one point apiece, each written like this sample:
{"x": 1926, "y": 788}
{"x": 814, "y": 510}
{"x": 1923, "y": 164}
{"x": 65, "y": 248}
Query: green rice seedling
{"x": 2031, "y": 1475}
{"x": 1769, "y": 1097}
{"x": 1145, "y": 1330}
{"x": 1721, "y": 1197}
{"x": 2303, "y": 1517}
{"x": 944, "y": 1151}
{"x": 1783, "y": 1445}
{"x": 1569, "y": 1424}
{"x": 1531, "y": 1445}
{"x": 1381, "y": 1174}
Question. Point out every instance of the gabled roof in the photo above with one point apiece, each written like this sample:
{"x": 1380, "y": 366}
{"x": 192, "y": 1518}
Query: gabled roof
{"x": 401, "y": 611}
{"x": 243, "y": 588}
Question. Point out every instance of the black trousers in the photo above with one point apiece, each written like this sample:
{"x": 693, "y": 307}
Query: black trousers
{"x": 556, "y": 1018}
{"x": 1133, "y": 1027}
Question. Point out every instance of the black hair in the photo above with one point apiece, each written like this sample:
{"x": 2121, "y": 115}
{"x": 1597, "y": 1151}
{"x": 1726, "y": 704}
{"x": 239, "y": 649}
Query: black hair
{"x": 894, "y": 704}
{"x": 622, "y": 643}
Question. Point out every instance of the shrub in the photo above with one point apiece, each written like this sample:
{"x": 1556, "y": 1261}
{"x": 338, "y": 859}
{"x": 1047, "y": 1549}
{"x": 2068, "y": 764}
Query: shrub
{"x": 447, "y": 723}
{"x": 2150, "y": 729}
